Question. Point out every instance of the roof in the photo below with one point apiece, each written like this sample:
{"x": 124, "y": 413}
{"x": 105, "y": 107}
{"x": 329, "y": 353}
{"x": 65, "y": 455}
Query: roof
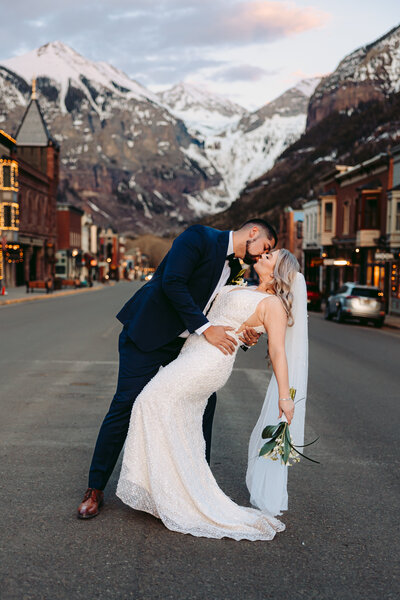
{"x": 33, "y": 129}
{"x": 6, "y": 140}
{"x": 365, "y": 166}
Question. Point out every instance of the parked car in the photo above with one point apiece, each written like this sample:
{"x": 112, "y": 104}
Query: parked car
{"x": 314, "y": 296}
{"x": 355, "y": 301}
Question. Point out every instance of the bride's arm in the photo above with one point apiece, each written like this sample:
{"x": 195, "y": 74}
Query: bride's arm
{"x": 274, "y": 318}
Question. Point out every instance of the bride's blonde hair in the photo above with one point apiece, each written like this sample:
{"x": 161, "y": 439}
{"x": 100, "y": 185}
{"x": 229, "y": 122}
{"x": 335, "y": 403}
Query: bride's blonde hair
{"x": 285, "y": 270}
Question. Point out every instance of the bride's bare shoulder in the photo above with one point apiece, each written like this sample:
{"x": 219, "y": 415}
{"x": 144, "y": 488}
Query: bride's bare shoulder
{"x": 271, "y": 307}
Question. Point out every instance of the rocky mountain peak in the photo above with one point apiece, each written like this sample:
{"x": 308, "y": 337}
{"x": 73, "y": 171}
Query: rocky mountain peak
{"x": 370, "y": 72}
{"x": 64, "y": 67}
{"x": 202, "y": 110}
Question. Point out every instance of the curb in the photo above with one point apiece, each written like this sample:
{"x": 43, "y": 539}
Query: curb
{"x": 50, "y": 296}
{"x": 391, "y": 325}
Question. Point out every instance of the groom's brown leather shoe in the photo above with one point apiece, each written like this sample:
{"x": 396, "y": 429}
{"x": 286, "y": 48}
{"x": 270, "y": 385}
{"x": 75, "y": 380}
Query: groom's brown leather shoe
{"x": 91, "y": 504}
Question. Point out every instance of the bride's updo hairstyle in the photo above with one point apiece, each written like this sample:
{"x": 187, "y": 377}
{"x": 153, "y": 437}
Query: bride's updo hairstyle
{"x": 285, "y": 271}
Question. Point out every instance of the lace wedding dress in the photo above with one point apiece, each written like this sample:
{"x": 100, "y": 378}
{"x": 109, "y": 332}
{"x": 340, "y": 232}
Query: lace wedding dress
{"x": 164, "y": 470}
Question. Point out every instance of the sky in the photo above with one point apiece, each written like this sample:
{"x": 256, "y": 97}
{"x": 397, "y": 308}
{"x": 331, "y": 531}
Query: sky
{"x": 249, "y": 51}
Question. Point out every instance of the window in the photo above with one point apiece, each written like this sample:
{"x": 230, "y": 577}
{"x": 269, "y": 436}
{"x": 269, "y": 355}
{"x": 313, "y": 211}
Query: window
{"x": 328, "y": 216}
{"x": 366, "y": 292}
{"x": 371, "y": 217}
{"x": 397, "y": 216}
{"x": 6, "y": 176}
{"x": 7, "y": 215}
{"x": 346, "y": 218}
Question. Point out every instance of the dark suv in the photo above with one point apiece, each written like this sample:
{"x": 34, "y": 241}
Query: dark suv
{"x": 355, "y": 301}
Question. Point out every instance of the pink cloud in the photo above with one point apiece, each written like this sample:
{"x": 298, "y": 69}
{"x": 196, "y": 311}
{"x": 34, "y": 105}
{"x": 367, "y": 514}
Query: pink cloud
{"x": 259, "y": 20}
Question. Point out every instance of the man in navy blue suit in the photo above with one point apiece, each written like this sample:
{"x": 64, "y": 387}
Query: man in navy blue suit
{"x": 156, "y": 322}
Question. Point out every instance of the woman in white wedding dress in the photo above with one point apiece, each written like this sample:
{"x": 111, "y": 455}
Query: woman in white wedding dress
{"x": 164, "y": 470}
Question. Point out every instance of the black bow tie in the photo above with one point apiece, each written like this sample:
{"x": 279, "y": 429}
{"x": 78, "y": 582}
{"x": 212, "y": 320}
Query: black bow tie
{"x": 231, "y": 258}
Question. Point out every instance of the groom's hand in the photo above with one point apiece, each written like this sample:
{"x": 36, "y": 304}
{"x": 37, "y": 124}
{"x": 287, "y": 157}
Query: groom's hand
{"x": 217, "y": 336}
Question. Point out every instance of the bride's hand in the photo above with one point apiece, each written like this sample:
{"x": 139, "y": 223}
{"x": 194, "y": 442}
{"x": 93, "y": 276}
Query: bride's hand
{"x": 286, "y": 407}
{"x": 249, "y": 335}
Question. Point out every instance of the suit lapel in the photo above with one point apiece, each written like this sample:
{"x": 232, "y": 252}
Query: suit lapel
{"x": 221, "y": 249}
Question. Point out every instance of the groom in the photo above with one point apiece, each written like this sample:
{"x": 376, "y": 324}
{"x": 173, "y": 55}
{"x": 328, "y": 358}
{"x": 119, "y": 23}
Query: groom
{"x": 157, "y": 320}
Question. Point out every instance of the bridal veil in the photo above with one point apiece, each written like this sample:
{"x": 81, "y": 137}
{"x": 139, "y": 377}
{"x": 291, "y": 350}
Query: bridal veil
{"x": 267, "y": 479}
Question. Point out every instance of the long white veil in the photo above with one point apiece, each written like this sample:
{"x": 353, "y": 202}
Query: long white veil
{"x": 267, "y": 479}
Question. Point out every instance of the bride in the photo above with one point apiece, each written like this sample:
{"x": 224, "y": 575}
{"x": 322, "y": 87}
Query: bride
{"x": 164, "y": 469}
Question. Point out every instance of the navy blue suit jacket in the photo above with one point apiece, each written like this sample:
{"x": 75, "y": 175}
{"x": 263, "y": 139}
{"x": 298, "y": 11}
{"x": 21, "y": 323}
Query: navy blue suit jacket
{"x": 173, "y": 300}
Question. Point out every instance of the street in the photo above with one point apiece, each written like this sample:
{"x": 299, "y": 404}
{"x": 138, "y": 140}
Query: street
{"x": 58, "y": 369}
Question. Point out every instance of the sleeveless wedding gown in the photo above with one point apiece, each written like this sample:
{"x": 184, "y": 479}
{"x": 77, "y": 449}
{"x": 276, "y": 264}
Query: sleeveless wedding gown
{"x": 164, "y": 470}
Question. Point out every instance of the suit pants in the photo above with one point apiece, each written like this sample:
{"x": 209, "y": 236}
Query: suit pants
{"x": 136, "y": 368}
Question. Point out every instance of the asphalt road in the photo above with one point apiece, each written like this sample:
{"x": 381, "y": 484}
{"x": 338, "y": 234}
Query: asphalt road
{"x": 58, "y": 368}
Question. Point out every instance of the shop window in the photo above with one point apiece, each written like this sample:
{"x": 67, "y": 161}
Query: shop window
{"x": 328, "y": 216}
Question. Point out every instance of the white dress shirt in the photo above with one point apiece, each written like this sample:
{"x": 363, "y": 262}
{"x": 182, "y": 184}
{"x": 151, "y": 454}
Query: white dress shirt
{"x": 226, "y": 271}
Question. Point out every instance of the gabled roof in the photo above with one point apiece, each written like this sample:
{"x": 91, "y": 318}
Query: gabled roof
{"x": 33, "y": 129}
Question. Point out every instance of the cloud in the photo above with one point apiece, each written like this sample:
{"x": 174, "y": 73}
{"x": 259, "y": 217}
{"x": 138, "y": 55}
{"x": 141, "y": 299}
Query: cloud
{"x": 157, "y": 42}
{"x": 243, "y": 23}
{"x": 242, "y": 73}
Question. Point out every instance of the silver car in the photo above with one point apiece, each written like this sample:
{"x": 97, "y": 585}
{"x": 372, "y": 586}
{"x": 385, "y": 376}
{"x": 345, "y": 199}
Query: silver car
{"x": 355, "y": 301}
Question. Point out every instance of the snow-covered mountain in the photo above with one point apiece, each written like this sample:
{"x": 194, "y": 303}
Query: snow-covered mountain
{"x": 124, "y": 155}
{"x": 201, "y": 110}
{"x": 244, "y": 150}
{"x": 146, "y": 161}
{"x": 352, "y": 116}
{"x": 372, "y": 72}
{"x": 66, "y": 67}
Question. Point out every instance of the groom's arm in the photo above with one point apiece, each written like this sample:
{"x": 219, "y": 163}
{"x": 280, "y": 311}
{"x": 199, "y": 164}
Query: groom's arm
{"x": 185, "y": 254}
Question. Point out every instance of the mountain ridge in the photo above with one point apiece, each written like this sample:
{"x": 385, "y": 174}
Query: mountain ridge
{"x": 340, "y": 128}
{"x": 127, "y": 156}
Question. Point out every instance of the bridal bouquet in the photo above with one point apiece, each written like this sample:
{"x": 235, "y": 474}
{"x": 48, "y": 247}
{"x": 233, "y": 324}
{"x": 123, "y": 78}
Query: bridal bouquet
{"x": 279, "y": 443}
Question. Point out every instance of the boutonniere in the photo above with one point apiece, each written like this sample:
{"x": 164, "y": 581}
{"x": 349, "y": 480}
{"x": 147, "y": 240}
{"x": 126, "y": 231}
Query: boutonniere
{"x": 238, "y": 280}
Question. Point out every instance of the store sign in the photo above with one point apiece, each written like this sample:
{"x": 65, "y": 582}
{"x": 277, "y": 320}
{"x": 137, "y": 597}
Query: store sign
{"x": 317, "y": 262}
{"x": 384, "y": 256}
{"x": 336, "y": 262}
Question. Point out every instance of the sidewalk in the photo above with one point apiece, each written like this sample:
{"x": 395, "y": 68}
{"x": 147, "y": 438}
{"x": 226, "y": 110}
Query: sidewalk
{"x": 392, "y": 321}
{"x": 18, "y": 294}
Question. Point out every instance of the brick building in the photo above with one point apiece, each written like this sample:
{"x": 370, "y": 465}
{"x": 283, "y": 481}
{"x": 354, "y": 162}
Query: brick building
{"x": 69, "y": 241}
{"x": 37, "y": 154}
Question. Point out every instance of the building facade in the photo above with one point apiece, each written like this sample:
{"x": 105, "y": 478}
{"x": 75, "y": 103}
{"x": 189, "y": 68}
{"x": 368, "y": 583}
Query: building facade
{"x": 391, "y": 255}
{"x": 37, "y": 155}
{"x": 10, "y": 252}
{"x": 311, "y": 242}
{"x": 352, "y": 230}
{"x": 69, "y": 255}
{"x": 291, "y": 231}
